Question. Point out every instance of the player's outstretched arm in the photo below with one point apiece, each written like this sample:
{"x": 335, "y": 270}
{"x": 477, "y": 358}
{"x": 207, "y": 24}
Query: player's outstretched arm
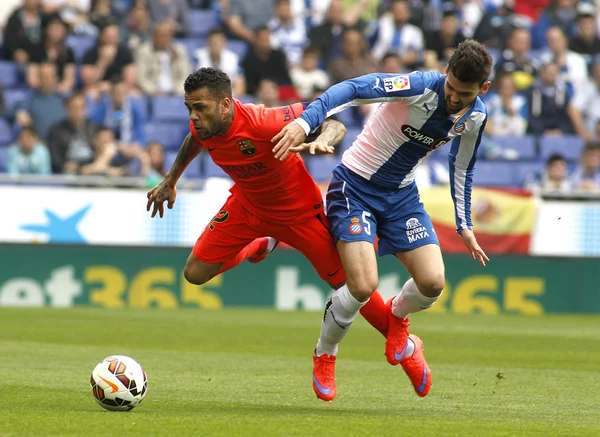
{"x": 332, "y": 133}
{"x": 165, "y": 190}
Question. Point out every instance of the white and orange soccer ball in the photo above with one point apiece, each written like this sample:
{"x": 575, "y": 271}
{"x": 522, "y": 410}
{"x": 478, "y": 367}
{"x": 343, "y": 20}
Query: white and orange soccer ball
{"x": 119, "y": 383}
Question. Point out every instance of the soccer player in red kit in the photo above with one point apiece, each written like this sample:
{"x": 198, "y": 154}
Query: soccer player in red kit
{"x": 270, "y": 197}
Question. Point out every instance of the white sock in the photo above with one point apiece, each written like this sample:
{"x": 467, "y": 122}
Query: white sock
{"x": 410, "y": 300}
{"x": 340, "y": 311}
{"x": 271, "y": 245}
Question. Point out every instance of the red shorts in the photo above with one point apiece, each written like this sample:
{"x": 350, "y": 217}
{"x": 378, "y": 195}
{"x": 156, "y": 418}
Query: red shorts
{"x": 234, "y": 227}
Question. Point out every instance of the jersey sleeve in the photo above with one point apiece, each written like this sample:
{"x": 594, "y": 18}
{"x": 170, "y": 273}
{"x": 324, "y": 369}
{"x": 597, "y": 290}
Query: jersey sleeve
{"x": 370, "y": 88}
{"x": 272, "y": 120}
{"x": 462, "y": 159}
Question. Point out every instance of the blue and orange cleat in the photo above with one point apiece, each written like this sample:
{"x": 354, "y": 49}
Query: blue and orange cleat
{"x": 261, "y": 255}
{"x": 324, "y": 376}
{"x": 417, "y": 369}
{"x": 395, "y": 345}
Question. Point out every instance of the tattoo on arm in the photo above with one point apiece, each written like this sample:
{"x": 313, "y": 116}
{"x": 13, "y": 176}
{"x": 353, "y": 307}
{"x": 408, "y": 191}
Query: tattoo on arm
{"x": 190, "y": 148}
{"x": 332, "y": 132}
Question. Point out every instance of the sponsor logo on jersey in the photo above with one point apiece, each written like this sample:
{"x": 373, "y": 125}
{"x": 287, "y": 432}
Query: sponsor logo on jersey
{"x": 247, "y": 147}
{"x": 355, "y": 227}
{"x": 246, "y": 171}
{"x": 398, "y": 83}
{"x": 417, "y": 136}
{"x": 415, "y": 230}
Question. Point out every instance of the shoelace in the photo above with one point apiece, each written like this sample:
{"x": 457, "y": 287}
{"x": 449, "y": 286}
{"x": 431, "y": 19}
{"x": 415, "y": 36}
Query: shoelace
{"x": 325, "y": 370}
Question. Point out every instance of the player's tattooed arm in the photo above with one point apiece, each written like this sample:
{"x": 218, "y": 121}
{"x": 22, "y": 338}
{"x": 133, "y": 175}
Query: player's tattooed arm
{"x": 190, "y": 148}
{"x": 332, "y": 132}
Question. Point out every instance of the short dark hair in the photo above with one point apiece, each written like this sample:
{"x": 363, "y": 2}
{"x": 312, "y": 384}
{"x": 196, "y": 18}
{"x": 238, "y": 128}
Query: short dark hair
{"x": 75, "y": 95}
{"x": 471, "y": 62}
{"x": 312, "y": 50}
{"x": 216, "y": 31}
{"x": 28, "y": 129}
{"x": 555, "y": 157}
{"x": 262, "y": 28}
{"x": 212, "y": 78}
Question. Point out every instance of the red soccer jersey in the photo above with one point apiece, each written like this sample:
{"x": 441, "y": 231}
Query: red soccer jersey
{"x": 272, "y": 189}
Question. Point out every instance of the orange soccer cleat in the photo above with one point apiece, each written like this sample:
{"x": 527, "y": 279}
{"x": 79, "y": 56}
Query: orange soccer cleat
{"x": 324, "y": 376}
{"x": 263, "y": 251}
{"x": 417, "y": 369}
{"x": 395, "y": 345}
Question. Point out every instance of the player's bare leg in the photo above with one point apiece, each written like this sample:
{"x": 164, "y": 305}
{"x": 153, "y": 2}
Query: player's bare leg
{"x": 426, "y": 267}
{"x": 341, "y": 309}
{"x": 198, "y": 272}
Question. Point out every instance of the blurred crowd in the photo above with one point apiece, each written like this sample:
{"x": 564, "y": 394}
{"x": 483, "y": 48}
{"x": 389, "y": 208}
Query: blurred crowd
{"x": 88, "y": 71}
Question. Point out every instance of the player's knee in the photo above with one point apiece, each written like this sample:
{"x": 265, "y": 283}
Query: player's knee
{"x": 432, "y": 285}
{"x": 194, "y": 275}
{"x": 362, "y": 288}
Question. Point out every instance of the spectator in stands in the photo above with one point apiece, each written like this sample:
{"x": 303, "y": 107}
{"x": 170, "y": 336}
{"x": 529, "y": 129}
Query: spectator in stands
{"x": 105, "y": 159}
{"x": 561, "y": 14}
{"x": 268, "y": 94}
{"x": 91, "y": 86}
{"x": 244, "y": 18}
{"x": 584, "y": 111}
{"x": 548, "y": 100}
{"x": 288, "y": 32}
{"x": 391, "y": 63}
{"x": 586, "y": 42}
{"x": 109, "y": 56}
{"x": 53, "y": 49}
{"x": 507, "y": 111}
{"x": 154, "y": 166}
{"x": 263, "y": 62}
{"x": 162, "y": 64}
{"x": 123, "y": 114}
{"x": 73, "y": 12}
{"x": 25, "y": 29}
{"x": 46, "y": 106}
{"x": 441, "y": 42}
{"x": 553, "y": 178}
{"x": 174, "y": 11}
{"x": 137, "y": 28}
{"x": 101, "y": 13}
{"x": 587, "y": 174}
{"x": 308, "y": 75}
{"x": 70, "y": 141}
{"x": 217, "y": 55}
{"x": 572, "y": 66}
{"x": 355, "y": 59}
{"x": 517, "y": 60}
{"x": 396, "y": 34}
{"x": 327, "y": 37}
{"x": 28, "y": 155}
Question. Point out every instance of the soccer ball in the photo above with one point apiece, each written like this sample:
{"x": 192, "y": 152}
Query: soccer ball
{"x": 119, "y": 383}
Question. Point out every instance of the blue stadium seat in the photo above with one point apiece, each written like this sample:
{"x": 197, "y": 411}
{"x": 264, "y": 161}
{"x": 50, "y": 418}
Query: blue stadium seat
{"x": 524, "y": 169}
{"x": 238, "y": 47}
{"x": 191, "y": 172}
{"x": 3, "y": 153}
{"x": 169, "y": 108}
{"x": 524, "y": 145}
{"x": 80, "y": 44}
{"x": 569, "y": 146}
{"x": 203, "y": 21}
{"x": 494, "y": 174}
{"x": 6, "y": 132}
{"x": 14, "y": 98}
{"x": 170, "y": 135}
{"x": 9, "y": 74}
{"x": 210, "y": 169}
{"x": 350, "y": 117}
{"x": 320, "y": 167}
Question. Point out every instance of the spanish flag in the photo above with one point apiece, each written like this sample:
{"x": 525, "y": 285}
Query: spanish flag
{"x": 503, "y": 219}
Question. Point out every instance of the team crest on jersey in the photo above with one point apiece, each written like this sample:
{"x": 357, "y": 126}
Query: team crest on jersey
{"x": 247, "y": 147}
{"x": 355, "y": 227}
{"x": 459, "y": 128}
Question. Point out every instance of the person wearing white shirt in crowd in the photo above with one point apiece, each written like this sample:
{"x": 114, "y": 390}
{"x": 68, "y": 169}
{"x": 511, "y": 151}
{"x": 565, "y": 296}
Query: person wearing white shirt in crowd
{"x": 584, "y": 110}
{"x": 217, "y": 55}
{"x": 553, "y": 178}
{"x": 396, "y": 34}
{"x": 307, "y": 76}
{"x": 507, "y": 111}
{"x": 288, "y": 32}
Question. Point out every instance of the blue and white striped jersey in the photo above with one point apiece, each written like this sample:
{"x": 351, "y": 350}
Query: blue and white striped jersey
{"x": 410, "y": 123}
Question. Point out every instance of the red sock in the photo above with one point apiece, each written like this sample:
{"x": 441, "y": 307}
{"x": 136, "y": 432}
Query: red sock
{"x": 375, "y": 312}
{"x": 258, "y": 246}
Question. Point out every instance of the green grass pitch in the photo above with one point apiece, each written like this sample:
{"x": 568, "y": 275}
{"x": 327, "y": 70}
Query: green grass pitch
{"x": 247, "y": 372}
